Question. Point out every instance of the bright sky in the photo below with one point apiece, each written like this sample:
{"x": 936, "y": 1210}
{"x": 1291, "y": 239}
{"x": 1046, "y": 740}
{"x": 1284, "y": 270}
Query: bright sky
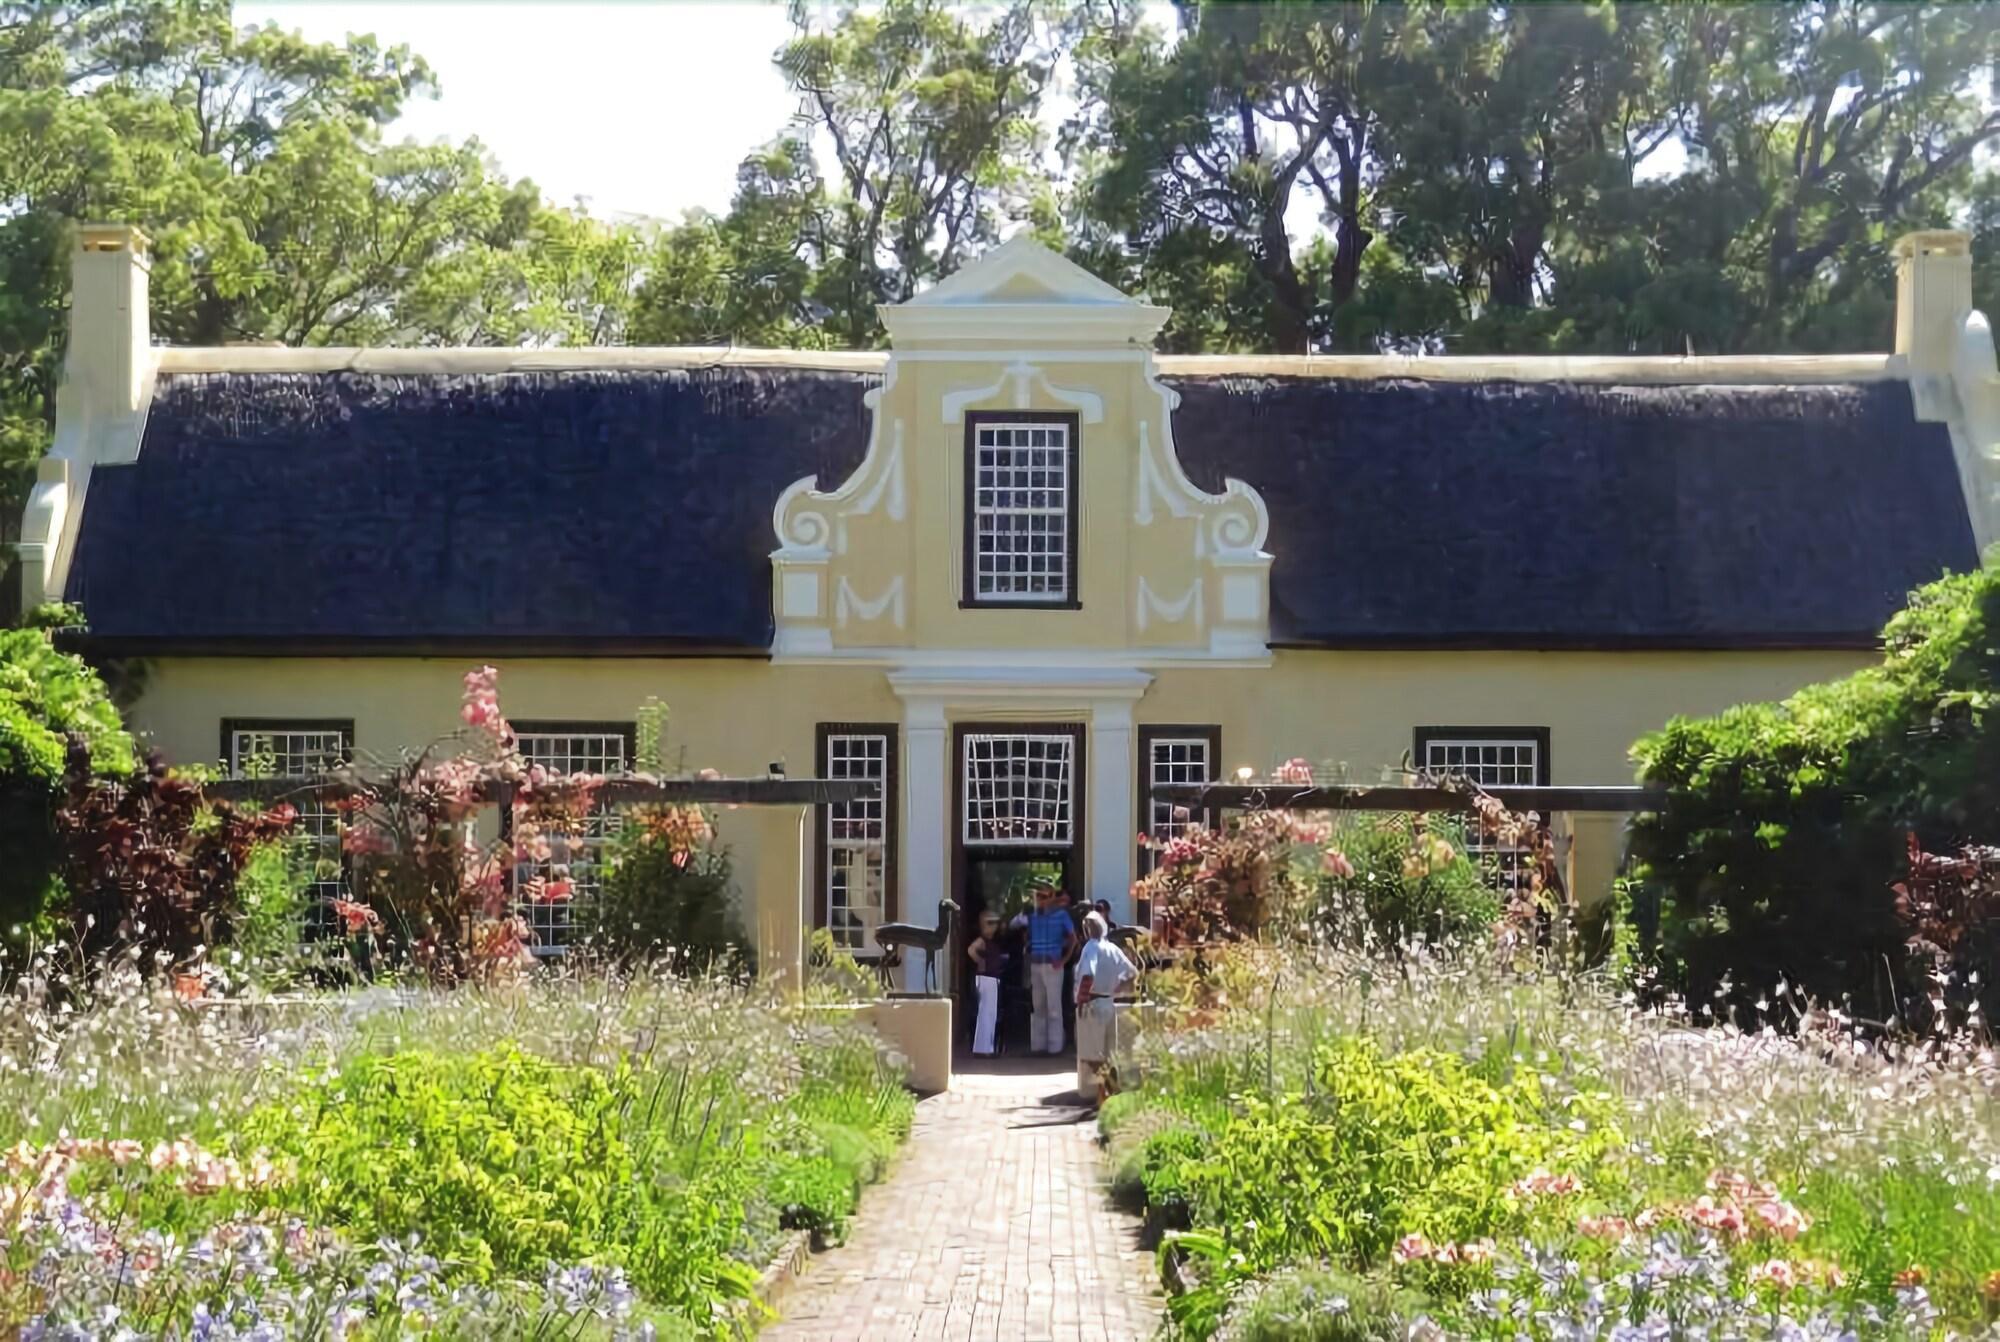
{"x": 636, "y": 108}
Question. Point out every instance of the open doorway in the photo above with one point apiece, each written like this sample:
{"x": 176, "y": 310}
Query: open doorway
{"x": 1001, "y": 882}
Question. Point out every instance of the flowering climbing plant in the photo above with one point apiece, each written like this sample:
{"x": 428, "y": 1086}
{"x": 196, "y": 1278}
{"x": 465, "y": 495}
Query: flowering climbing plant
{"x": 428, "y": 878}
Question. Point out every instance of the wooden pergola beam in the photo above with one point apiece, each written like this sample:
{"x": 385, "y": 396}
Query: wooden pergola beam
{"x": 632, "y": 791}
{"x": 1199, "y": 797}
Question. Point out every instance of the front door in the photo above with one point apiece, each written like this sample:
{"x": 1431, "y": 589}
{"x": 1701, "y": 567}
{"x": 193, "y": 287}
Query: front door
{"x": 1001, "y": 882}
{"x": 1017, "y": 817}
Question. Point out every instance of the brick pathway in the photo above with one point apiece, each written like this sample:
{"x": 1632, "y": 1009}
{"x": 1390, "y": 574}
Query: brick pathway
{"x": 993, "y": 1225}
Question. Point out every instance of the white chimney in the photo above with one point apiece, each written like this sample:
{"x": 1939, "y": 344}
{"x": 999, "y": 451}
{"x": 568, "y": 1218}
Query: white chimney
{"x": 1933, "y": 298}
{"x": 107, "y": 360}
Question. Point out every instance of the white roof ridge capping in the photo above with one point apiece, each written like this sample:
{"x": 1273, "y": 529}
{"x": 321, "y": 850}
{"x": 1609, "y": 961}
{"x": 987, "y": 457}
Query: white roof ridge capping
{"x": 1738, "y": 369}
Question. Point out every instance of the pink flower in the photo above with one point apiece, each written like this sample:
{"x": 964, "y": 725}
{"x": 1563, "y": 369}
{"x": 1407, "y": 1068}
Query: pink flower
{"x": 358, "y": 918}
{"x": 1604, "y": 1227}
{"x": 1540, "y": 1183}
{"x": 1334, "y": 863}
{"x": 1776, "y": 1273}
{"x": 1725, "y": 1217}
{"x": 1781, "y": 1218}
{"x": 1411, "y": 1249}
{"x": 363, "y": 839}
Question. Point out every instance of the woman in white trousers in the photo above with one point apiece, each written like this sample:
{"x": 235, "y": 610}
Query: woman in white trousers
{"x": 988, "y": 959}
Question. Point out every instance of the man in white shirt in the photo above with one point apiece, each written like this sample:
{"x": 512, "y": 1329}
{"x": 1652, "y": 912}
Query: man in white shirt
{"x": 1102, "y": 971}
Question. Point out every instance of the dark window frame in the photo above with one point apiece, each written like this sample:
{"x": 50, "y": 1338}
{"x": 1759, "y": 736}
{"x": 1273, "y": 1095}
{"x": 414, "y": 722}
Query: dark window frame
{"x": 1423, "y": 736}
{"x": 1150, "y": 732}
{"x": 892, "y": 799}
{"x": 1075, "y": 857}
{"x": 968, "y": 596}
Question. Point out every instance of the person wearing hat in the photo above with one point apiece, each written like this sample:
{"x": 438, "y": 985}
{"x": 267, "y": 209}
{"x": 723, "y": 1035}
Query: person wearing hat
{"x": 1051, "y": 940}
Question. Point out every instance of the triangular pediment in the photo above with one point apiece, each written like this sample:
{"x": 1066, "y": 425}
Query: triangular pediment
{"x": 1020, "y": 270}
{"x": 1022, "y": 291}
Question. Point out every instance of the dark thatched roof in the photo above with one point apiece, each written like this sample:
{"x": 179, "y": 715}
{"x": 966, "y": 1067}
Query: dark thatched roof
{"x": 630, "y": 511}
{"x": 1512, "y": 514}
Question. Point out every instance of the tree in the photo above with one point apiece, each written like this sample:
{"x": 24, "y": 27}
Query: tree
{"x": 255, "y": 159}
{"x": 54, "y": 713}
{"x": 1256, "y": 107}
{"x": 932, "y": 121}
{"x": 1846, "y": 122}
{"x": 1510, "y": 128}
{"x": 751, "y": 277}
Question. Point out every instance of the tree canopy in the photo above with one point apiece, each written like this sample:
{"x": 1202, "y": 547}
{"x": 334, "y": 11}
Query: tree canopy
{"x": 1344, "y": 175}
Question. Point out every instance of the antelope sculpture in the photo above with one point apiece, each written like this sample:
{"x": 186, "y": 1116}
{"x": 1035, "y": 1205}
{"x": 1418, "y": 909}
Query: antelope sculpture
{"x": 893, "y": 937}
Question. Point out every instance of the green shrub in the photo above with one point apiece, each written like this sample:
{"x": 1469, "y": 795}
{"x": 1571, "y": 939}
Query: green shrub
{"x": 272, "y": 899}
{"x": 815, "y": 1194}
{"x": 1403, "y": 885}
{"x": 1786, "y": 823}
{"x": 46, "y": 697}
{"x": 1312, "y": 1303}
{"x": 1384, "y": 1147}
{"x": 659, "y": 898}
{"x": 501, "y": 1161}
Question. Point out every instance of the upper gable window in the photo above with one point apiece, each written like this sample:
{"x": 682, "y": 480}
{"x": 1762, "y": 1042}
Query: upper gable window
{"x": 1020, "y": 509}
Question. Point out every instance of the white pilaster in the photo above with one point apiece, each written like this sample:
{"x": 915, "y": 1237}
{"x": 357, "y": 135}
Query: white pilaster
{"x": 1113, "y": 810}
{"x": 926, "y": 857}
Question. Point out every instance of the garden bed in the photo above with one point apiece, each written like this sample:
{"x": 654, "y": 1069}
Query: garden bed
{"x": 1358, "y": 1145}
{"x": 582, "y": 1156}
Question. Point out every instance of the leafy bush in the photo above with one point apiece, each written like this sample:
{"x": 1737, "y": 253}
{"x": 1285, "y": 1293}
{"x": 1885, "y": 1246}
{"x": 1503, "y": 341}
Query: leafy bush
{"x": 272, "y": 904}
{"x": 815, "y": 1194}
{"x": 1394, "y": 877}
{"x": 833, "y": 974}
{"x": 46, "y": 697}
{"x": 1786, "y": 823}
{"x": 1383, "y": 1147}
{"x": 1314, "y": 1303}
{"x": 501, "y": 1161}
{"x": 150, "y": 866}
{"x": 668, "y": 889}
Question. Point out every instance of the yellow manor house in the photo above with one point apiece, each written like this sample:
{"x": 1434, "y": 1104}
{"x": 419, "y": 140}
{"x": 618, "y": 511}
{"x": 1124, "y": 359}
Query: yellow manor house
{"x": 1016, "y": 569}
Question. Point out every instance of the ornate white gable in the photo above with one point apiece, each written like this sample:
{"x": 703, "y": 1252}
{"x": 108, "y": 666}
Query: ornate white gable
{"x": 873, "y": 568}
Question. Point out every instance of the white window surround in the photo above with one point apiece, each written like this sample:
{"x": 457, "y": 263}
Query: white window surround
{"x": 1101, "y": 699}
{"x": 1019, "y": 789}
{"x": 856, "y": 859}
{"x": 1021, "y": 511}
{"x": 301, "y": 749}
{"x": 1174, "y": 757}
{"x": 601, "y": 748}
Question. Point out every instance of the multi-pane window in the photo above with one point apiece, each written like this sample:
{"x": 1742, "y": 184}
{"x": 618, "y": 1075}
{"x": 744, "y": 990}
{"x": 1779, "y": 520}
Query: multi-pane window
{"x": 570, "y": 748}
{"x": 284, "y": 749}
{"x": 856, "y": 838}
{"x": 1021, "y": 510}
{"x": 1172, "y": 755}
{"x": 1019, "y": 788}
{"x": 1490, "y": 757}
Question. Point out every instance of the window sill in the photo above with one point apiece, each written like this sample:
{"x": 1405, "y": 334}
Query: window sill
{"x": 967, "y": 603}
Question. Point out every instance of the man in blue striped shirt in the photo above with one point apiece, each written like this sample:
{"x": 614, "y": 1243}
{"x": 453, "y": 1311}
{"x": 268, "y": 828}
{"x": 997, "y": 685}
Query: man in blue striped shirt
{"x": 1051, "y": 939}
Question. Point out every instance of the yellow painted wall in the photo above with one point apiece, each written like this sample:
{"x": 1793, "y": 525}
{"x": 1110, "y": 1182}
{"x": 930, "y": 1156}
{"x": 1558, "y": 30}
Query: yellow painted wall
{"x": 1353, "y": 708}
